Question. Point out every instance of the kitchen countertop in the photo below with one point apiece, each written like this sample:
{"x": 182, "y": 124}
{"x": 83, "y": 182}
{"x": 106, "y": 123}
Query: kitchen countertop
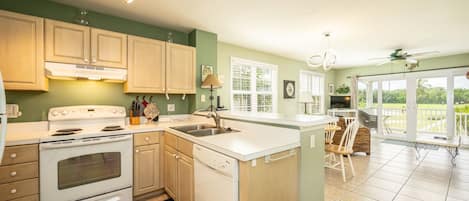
{"x": 298, "y": 121}
{"x": 252, "y": 142}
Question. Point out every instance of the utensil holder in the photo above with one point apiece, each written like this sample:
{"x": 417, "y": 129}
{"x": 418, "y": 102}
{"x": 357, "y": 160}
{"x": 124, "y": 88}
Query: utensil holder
{"x": 134, "y": 120}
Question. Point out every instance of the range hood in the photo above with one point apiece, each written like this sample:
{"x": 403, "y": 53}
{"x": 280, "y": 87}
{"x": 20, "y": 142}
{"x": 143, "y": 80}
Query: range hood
{"x": 76, "y": 71}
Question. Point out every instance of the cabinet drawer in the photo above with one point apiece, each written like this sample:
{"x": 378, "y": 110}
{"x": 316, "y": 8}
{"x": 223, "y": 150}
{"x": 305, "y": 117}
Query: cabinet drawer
{"x": 146, "y": 138}
{"x": 170, "y": 140}
{"x": 28, "y": 198}
{"x": 185, "y": 147}
{"x": 19, "y": 189}
{"x": 20, "y": 154}
{"x": 18, "y": 172}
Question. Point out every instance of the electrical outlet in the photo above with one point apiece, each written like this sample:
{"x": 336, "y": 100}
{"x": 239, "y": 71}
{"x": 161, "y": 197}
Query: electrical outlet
{"x": 171, "y": 107}
{"x": 202, "y": 98}
{"x": 312, "y": 141}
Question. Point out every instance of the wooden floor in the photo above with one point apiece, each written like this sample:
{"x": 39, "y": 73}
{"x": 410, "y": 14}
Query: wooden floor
{"x": 159, "y": 198}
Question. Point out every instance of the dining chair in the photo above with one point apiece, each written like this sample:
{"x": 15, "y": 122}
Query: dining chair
{"x": 330, "y": 132}
{"x": 345, "y": 148}
{"x": 349, "y": 120}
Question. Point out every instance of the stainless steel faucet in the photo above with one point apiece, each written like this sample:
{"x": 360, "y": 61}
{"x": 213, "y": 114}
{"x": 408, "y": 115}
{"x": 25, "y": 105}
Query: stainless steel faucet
{"x": 210, "y": 114}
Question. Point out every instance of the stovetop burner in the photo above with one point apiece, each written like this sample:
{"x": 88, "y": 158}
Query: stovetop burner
{"x": 112, "y": 128}
{"x": 68, "y": 131}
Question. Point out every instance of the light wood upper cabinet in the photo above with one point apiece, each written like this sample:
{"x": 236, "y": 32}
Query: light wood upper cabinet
{"x": 108, "y": 48}
{"x": 185, "y": 178}
{"x": 180, "y": 69}
{"x": 67, "y": 43}
{"x": 170, "y": 171}
{"x": 76, "y": 44}
{"x": 146, "y": 66}
{"x": 146, "y": 169}
{"x": 22, "y": 51}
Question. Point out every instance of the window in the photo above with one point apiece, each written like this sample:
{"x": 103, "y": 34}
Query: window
{"x": 253, "y": 86}
{"x": 312, "y": 84}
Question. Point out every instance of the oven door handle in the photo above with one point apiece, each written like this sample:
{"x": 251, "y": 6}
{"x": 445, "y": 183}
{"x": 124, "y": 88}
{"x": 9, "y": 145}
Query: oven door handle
{"x": 85, "y": 142}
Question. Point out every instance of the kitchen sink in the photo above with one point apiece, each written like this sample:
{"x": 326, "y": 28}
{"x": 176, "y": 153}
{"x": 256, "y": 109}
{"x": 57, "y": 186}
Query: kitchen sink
{"x": 185, "y": 129}
{"x": 202, "y": 130}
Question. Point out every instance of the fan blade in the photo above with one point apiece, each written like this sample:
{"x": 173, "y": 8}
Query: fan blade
{"x": 423, "y": 53}
{"x": 379, "y": 58}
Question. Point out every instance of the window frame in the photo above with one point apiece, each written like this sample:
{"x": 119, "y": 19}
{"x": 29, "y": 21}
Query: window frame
{"x": 254, "y": 65}
{"x": 322, "y": 104}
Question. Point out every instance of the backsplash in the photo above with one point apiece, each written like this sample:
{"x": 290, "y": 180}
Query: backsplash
{"x": 35, "y": 105}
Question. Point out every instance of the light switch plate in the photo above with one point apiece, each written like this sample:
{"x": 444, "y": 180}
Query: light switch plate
{"x": 171, "y": 107}
{"x": 312, "y": 141}
{"x": 202, "y": 98}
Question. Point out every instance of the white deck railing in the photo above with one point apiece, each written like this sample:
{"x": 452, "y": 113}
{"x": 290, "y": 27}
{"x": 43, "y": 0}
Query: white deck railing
{"x": 428, "y": 121}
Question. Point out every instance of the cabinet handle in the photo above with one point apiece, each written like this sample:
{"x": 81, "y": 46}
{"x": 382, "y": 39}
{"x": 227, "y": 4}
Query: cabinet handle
{"x": 136, "y": 151}
{"x": 147, "y": 139}
{"x": 13, "y": 155}
{"x": 13, "y": 191}
{"x": 174, "y": 155}
{"x": 86, "y": 60}
{"x": 177, "y": 157}
{"x": 13, "y": 173}
{"x": 93, "y": 60}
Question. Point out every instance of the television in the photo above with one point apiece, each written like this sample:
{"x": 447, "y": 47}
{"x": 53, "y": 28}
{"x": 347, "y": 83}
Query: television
{"x": 340, "y": 102}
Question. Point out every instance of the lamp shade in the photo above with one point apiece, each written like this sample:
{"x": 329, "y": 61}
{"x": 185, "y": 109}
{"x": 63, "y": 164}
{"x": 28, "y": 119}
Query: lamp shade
{"x": 306, "y": 97}
{"x": 467, "y": 75}
{"x": 211, "y": 81}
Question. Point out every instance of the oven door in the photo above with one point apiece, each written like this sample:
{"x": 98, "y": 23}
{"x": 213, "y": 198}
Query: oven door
{"x": 78, "y": 169}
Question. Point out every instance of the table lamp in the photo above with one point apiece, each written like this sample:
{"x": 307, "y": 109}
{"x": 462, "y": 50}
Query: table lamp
{"x": 211, "y": 82}
{"x": 306, "y": 97}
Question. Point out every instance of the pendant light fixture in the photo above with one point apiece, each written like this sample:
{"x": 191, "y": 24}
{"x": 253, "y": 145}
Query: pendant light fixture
{"x": 326, "y": 58}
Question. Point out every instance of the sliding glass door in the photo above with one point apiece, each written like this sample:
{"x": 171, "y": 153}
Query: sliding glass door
{"x": 431, "y": 105}
{"x": 414, "y": 104}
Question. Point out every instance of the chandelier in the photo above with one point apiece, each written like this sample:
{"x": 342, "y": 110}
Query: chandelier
{"x": 326, "y": 58}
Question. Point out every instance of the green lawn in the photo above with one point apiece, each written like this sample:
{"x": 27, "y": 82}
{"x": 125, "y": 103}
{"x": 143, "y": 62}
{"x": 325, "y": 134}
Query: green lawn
{"x": 463, "y": 108}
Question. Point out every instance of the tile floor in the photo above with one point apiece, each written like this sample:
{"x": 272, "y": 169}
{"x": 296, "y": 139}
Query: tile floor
{"x": 392, "y": 173}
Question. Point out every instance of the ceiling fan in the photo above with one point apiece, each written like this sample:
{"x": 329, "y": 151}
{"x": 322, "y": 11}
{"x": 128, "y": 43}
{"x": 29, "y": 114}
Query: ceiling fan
{"x": 402, "y": 56}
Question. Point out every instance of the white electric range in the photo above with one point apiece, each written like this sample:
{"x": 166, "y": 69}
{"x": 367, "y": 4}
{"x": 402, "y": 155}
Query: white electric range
{"x": 87, "y": 155}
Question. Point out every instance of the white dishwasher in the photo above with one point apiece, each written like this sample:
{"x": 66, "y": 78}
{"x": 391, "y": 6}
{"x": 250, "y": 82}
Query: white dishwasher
{"x": 215, "y": 175}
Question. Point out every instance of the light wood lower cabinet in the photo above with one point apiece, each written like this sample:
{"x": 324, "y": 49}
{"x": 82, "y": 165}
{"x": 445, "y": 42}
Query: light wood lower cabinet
{"x": 273, "y": 181}
{"x": 22, "y": 51}
{"x": 147, "y": 163}
{"x": 179, "y": 168}
{"x": 19, "y": 175}
{"x": 170, "y": 171}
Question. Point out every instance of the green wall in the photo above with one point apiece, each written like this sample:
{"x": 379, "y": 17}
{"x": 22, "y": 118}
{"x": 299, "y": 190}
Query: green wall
{"x": 35, "y": 105}
{"x": 288, "y": 69}
{"x": 425, "y": 64}
{"x": 53, "y": 10}
{"x": 206, "y": 46}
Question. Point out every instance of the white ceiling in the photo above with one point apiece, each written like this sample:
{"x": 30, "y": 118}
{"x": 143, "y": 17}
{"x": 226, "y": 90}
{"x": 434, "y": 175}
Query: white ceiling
{"x": 361, "y": 29}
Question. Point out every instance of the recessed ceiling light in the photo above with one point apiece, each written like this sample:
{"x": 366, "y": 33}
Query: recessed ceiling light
{"x": 129, "y": 1}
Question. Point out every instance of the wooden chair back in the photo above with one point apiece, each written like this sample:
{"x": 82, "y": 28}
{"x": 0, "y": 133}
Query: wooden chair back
{"x": 331, "y": 132}
{"x": 348, "y": 138}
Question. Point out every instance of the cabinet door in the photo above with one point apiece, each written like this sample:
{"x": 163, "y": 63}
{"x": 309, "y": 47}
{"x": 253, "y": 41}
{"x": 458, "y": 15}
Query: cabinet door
{"x": 146, "y": 67}
{"x": 185, "y": 178}
{"x": 22, "y": 51}
{"x": 146, "y": 169}
{"x": 170, "y": 171}
{"x": 180, "y": 69}
{"x": 67, "y": 43}
{"x": 108, "y": 49}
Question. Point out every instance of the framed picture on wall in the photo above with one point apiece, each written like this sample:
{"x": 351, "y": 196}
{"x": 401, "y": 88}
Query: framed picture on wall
{"x": 288, "y": 89}
{"x": 331, "y": 89}
{"x": 206, "y": 70}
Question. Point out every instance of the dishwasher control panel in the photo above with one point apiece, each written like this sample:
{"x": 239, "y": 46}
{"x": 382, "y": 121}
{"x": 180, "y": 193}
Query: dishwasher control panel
{"x": 215, "y": 160}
